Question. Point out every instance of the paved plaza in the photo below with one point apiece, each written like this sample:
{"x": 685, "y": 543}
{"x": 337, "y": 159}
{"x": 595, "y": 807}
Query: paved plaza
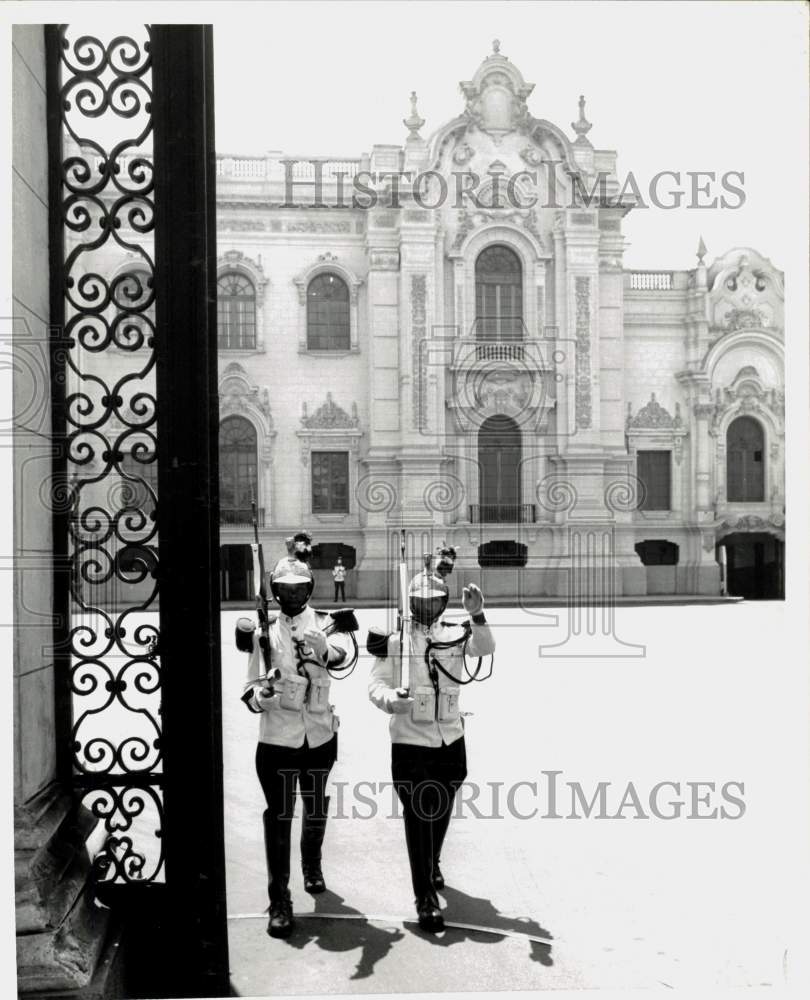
{"x": 535, "y": 903}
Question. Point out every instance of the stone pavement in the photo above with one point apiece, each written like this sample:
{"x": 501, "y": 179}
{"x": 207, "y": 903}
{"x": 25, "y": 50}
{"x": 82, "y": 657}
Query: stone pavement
{"x": 534, "y": 903}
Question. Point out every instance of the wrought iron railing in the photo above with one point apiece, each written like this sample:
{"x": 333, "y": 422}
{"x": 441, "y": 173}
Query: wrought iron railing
{"x": 503, "y": 513}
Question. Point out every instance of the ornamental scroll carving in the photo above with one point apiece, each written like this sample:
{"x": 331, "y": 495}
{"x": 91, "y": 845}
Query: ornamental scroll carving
{"x": 329, "y": 416}
{"x": 583, "y": 401}
{"x": 418, "y": 356}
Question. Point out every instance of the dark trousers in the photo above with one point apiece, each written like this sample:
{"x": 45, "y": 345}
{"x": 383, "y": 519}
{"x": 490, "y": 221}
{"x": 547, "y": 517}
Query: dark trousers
{"x": 340, "y": 588}
{"x": 280, "y": 771}
{"x": 426, "y": 780}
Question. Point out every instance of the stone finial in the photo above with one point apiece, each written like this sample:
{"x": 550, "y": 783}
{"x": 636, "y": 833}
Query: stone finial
{"x": 413, "y": 123}
{"x": 496, "y": 46}
{"x": 701, "y": 251}
{"x": 582, "y": 126}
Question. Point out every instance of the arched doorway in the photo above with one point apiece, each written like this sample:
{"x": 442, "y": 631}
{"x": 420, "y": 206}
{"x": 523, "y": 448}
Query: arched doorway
{"x": 499, "y": 452}
{"x": 755, "y": 565}
{"x": 498, "y": 294}
{"x": 745, "y": 461}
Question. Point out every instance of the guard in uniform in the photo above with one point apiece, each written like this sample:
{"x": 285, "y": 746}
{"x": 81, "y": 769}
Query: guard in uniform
{"x": 298, "y": 727}
{"x": 428, "y": 752}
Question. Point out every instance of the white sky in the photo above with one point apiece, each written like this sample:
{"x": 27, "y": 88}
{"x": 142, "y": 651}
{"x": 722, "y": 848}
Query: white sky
{"x": 670, "y": 86}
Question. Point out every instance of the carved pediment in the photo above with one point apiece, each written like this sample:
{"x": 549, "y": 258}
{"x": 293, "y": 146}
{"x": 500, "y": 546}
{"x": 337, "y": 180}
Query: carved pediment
{"x": 237, "y": 395}
{"x": 653, "y": 416}
{"x": 329, "y": 416}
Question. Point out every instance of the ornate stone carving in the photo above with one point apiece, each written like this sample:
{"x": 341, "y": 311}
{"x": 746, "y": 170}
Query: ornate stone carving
{"x": 496, "y": 97}
{"x": 582, "y": 297}
{"x": 418, "y": 355}
{"x": 241, "y": 225}
{"x": 317, "y": 226}
{"x": 238, "y": 261}
{"x": 774, "y": 524}
{"x": 237, "y": 396}
{"x": 653, "y": 415}
{"x": 746, "y": 292}
{"x": 582, "y": 126}
{"x": 532, "y": 156}
{"x": 463, "y": 154}
{"x": 384, "y": 260}
{"x": 744, "y": 319}
{"x": 471, "y": 219}
{"x": 329, "y": 416}
{"x": 505, "y": 392}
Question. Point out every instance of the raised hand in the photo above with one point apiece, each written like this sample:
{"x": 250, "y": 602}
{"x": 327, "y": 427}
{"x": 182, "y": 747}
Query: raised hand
{"x": 472, "y": 599}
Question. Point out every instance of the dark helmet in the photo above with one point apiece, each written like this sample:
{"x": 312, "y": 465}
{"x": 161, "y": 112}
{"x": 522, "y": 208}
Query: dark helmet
{"x": 292, "y": 583}
{"x": 428, "y": 595}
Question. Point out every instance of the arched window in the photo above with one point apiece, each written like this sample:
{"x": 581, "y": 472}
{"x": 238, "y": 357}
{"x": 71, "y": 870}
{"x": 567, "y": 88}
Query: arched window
{"x": 328, "y": 325}
{"x": 236, "y": 312}
{"x": 498, "y": 294}
{"x": 238, "y": 471}
{"x": 745, "y": 461}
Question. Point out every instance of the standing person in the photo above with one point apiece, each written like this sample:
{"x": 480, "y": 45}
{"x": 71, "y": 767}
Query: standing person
{"x": 339, "y": 576}
{"x": 428, "y": 751}
{"x": 298, "y": 728}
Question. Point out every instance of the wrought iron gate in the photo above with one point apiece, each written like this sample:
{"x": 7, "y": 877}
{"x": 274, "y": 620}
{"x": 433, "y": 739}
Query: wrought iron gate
{"x": 135, "y": 472}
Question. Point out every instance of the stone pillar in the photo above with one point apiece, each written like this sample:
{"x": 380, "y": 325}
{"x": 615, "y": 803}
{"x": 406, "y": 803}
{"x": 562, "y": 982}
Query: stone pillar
{"x": 60, "y": 930}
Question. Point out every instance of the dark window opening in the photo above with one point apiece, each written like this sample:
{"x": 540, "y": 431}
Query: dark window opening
{"x": 238, "y": 471}
{"x": 324, "y": 556}
{"x": 330, "y": 482}
{"x": 236, "y": 313}
{"x": 328, "y": 314}
{"x": 654, "y": 470}
{"x": 745, "y": 468}
{"x": 503, "y": 553}
{"x": 657, "y": 552}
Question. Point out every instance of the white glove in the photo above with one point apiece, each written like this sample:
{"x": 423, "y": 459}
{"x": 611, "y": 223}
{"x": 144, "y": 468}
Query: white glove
{"x": 472, "y": 599}
{"x": 401, "y": 703}
{"x": 317, "y": 640}
{"x": 265, "y": 698}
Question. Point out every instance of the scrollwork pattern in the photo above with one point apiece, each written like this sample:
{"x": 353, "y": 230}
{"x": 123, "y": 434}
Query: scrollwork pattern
{"x": 106, "y": 359}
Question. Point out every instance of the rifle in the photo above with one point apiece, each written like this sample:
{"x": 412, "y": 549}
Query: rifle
{"x": 404, "y": 620}
{"x": 244, "y": 627}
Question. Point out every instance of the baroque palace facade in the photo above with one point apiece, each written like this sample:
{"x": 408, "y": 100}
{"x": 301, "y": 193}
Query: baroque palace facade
{"x": 482, "y": 370}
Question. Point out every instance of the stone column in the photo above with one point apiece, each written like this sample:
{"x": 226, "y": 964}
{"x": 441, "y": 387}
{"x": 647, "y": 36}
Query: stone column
{"x": 60, "y": 931}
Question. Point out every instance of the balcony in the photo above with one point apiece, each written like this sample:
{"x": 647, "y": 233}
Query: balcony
{"x": 503, "y": 513}
{"x": 481, "y": 354}
{"x": 652, "y": 281}
{"x": 240, "y": 517}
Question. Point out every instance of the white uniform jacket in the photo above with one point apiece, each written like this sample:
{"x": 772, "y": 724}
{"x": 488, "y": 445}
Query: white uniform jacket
{"x": 431, "y": 721}
{"x": 281, "y": 723}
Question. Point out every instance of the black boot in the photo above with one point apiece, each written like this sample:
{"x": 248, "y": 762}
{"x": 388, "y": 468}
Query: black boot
{"x": 437, "y": 878}
{"x": 429, "y": 914}
{"x": 280, "y": 924}
{"x": 277, "y": 852}
{"x": 313, "y": 829}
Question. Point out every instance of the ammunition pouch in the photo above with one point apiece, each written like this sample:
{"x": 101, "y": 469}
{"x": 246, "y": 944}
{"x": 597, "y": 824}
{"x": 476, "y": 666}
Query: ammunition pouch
{"x": 343, "y": 620}
{"x": 245, "y": 627}
{"x": 377, "y": 643}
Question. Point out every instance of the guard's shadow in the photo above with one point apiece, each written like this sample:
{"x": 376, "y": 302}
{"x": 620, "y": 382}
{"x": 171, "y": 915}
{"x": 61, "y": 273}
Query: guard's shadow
{"x": 467, "y": 909}
{"x": 345, "y": 935}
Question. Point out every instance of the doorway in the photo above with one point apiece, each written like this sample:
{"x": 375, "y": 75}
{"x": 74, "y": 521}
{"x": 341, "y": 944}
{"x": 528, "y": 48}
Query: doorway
{"x": 755, "y": 566}
{"x": 499, "y": 454}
